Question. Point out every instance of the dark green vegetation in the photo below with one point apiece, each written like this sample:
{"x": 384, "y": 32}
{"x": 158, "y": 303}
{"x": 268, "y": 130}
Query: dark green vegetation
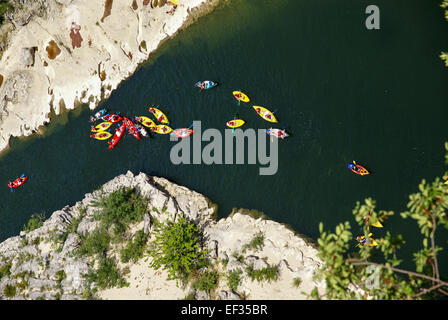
{"x": 269, "y": 273}
{"x": 256, "y": 244}
{"x": 134, "y": 248}
{"x": 5, "y": 270}
{"x": 36, "y": 221}
{"x": 119, "y": 209}
{"x": 206, "y": 281}
{"x": 177, "y": 248}
{"x": 9, "y": 291}
{"x": 115, "y": 213}
{"x": 234, "y": 279}
{"x": 5, "y": 7}
{"x": 375, "y": 269}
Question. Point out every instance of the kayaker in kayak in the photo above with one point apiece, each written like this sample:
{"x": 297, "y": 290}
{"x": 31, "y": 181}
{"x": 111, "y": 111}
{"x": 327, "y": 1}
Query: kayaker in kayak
{"x": 361, "y": 239}
{"x": 351, "y": 166}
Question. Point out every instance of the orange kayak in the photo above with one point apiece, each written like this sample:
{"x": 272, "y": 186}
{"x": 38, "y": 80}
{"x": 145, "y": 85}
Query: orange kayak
{"x": 358, "y": 169}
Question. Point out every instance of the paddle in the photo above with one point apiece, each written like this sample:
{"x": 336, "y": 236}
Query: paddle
{"x": 20, "y": 177}
{"x": 234, "y": 118}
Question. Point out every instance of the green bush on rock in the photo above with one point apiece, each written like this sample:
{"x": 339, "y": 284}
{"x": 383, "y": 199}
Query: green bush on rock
{"x": 176, "y": 248}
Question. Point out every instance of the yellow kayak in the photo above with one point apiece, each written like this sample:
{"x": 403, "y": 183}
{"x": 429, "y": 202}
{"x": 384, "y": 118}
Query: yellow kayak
{"x": 376, "y": 224}
{"x": 235, "y": 123}
{"x": 370, "y": 243}
{"x": 161, "y": 129}
{"x": 240, "y": 96}
{"x": 160, "y": 116}
{"x": 265, "y": 114}
{"x": 101, "y": 135}
{"x": 101, "y": 127}
{"x": 147, "y": 122}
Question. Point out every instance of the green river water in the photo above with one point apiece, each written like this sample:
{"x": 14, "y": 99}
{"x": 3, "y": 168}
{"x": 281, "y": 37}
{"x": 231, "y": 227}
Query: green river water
{"x": 343, "y": 93}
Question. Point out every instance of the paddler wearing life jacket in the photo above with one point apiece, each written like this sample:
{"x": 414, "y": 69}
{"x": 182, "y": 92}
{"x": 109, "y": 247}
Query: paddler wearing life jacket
{"x": 361, "y": 239}
{"x": 351, "y": 166}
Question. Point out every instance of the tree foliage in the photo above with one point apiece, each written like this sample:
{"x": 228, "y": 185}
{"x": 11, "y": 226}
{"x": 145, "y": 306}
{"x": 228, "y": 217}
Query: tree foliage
{"x": 176, "y": 248}
{"x": 372, "y": 272}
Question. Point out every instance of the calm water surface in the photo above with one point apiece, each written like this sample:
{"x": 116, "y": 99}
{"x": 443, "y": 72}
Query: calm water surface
{"x": 344, "y": 93}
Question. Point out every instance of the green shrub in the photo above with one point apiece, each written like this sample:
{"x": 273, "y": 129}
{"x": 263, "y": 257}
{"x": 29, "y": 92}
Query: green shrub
{"x": 36, "y": 221}
{"x": 238, "y": 257}
{"x": 60, "y": 275}
{"x": 297, "y": 282}
{"x": 96, "y": 242}
{"x": 120, "y": 208}
{"x": 190, "y": 296}
{"x": 268, "y": 273}
{"x": 36, "y": 241}
{"x": 73, "y": 227}
{"x": 9, "y": 291}
{"x": 5, "y": 7}
{"x": 206, "y": 281}
{"x": 225, "y": 262}
{"x": 176, "y": 248}
{"x": 234, "y": 279}
{"x": 5, "y": 270}
{"x": 107, "y": 275}
{"x": 257, "y": 242}
{"x": 134, "y": 248}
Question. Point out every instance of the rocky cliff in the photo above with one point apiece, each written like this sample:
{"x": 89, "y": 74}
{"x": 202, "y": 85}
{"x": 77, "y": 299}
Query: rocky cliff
{"x": 59, "y": 53}
{"x": 41, "y": 264}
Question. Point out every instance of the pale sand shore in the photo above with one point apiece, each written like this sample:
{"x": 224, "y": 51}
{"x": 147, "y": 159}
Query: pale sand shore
{"x": 96, "y": 52}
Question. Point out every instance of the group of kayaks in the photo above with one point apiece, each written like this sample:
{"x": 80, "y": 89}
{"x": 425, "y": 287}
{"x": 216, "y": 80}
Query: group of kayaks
{"x": 102, "y": 131}
{"x": 263, "y": 112}
{"x": 369, "y": 241}
{"x": 134, "y": 125}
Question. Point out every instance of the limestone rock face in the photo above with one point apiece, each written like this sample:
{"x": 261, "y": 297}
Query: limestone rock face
{"x": 73, "y": 42}
{"x": 27, "y": 56}
{"x": 44, "y": 259}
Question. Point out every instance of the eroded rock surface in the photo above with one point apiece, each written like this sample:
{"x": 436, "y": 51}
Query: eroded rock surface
{"x": 72, "y": 38}
{"x": 38, "y": 258}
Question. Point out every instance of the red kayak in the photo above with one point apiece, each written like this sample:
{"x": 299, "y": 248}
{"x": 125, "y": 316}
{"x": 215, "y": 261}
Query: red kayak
{"x": 18, "y": 182}
{"x": 117, "y": 136}
{"x": 183, "y": 133}
{"x": 114, "y": 118}
{"x": 131, "y": 127}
